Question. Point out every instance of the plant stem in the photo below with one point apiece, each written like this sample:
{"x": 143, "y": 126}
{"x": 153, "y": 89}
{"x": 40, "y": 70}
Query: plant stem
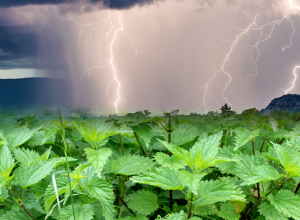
{"x": 190, "y": 207}
{"x": 258, "y": 193}
{"x": 260, "y": 200}
{"x": 170, "y": 154}
{"x": 20, "y": 202}
{"x": 6, "y": 205}
{"x": 142, "y": 152}
{"x": 122, "y": 147}
{"x": 297, "y": 188}
{"x": 262, "y": 146}
{"x": 68, "y": 170}
{"x": 121, "y": 195}
{"x": 253, "y": 147}
{"x": 124, "y": 203}
{"x": 281, "y": 140}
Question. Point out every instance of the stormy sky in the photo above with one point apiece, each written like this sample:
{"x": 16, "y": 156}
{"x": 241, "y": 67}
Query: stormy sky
{"x": 164, "y": 53}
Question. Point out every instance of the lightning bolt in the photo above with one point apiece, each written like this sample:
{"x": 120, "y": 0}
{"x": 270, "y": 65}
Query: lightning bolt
{"x": 109, "y": 47}
{"x": 262, "y": 38}
{"x": 293, "y": 82}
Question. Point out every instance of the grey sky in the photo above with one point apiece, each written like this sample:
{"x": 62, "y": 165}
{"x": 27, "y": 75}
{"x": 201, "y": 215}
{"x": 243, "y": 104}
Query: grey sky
{"x": 186, "y": 40}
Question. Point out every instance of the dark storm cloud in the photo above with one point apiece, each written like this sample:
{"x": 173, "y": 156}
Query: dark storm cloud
{"x": 114, "y": 4}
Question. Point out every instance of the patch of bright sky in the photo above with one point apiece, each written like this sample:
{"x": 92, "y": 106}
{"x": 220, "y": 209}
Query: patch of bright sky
{"x": 21, "y": 73}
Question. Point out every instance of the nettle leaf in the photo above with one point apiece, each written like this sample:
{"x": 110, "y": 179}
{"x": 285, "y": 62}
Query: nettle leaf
{"x": 180, "y": 153}
{"x": 245, "y": 165}
{"x": 205, "y": 152}
{"x": 7, "y": 161}
{"x": 95, "y": 129}
{"x": 244, "y": 135}
{"x": 3, "y": 193}
{"x": 26, "y": 156}
{"x": 41, "y": 138}
{"x": 227, "y": 212}
{"x": 98, "y": 158}
{"x": 287, "y": 203}
{"x": 103, "y": 191}
{"x": 162, "y": 177}
{"x": 205, "y": 210}
{"x": 176, "y": 216}
{"x": 215, "y": 191}
{"x": 15, "y": 214}
{"x": 84, "y": 212}
{"x": 146, "y": 132}
{"x": 261, "y": 173}
{"x": 141, "y": 205}
{"x": 190, "y": 180}
{"x": 288, "y": 160}
{"x": 184, "y": 133}
{"x": 270, "y": 212}
{"x": 31, "y": 203}
{"x": 172, "y": 162}
{"x": 131, "y": 164}
{"x": 28, "y": 175}
{"x": 62, "y": 183}
{"x": 19, "y": 135}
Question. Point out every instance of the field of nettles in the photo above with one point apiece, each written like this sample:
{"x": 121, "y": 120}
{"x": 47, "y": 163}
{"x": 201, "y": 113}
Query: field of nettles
{"x": 70, "y": 165}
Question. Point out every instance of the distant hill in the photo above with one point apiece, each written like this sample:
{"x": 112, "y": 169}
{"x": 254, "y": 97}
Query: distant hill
{"x": 35, "y": 92}
{"x": 289, "y": 102}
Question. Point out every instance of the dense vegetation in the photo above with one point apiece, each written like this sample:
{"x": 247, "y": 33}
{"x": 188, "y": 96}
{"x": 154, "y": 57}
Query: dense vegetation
{"x": 68, "y": 165}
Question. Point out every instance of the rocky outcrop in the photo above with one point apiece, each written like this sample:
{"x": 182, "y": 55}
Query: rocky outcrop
{"x": 289, "y": 102}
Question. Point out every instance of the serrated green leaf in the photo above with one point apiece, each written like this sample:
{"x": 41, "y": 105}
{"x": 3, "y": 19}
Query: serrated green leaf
{"x": 289, "y": 160}
{"x": 211, "y": 192}
{"x": 3, "y": 193}
{"x": 7, "y": 161}
{"x": 161, "y": 177}
{"x": 19, "y": 135}
{"x": 13, "y": 215}
{"x": 227, "y": 211}
{"x": 28, "y": 175}
{"x": 246, "y": 164}
{"x": 31, "y": 203}
{"x": 260, "y": 174}
{"x": 102, "y": 190}
{"x": 131, "y": 165}
{"x": 172, "y": 162}
{"x": 190, "y": 180}
{"x": 42, "y": 137}
{"x": 141, "y": 205}
{"x": 287, "y": 203}
{"x": 95, "y": 129}
{"x": 145, "y": 132}
{"x": 205, "y": 210}
{"x": 62, "y": 183}
{"x": 98, "y": 158}
{"x": 185, "y": 133}
{"x": 244, "y": 135}
{"x": 84, "y": 212}
{"x": 205, "y": 152}
{"x": 26, "y": 156}
{"x": 180, "y": 153}
{"x": 270, "y": 212}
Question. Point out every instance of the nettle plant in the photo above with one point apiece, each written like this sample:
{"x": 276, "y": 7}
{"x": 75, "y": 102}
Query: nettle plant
{"x": 139, "y": 167}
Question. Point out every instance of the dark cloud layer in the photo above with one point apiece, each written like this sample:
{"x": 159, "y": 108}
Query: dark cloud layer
{"x": 114, "y": 4}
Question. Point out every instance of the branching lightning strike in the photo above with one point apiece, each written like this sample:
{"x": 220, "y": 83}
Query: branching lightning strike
{"x": 109, "y": 46}
{"x": 262, "y": 38}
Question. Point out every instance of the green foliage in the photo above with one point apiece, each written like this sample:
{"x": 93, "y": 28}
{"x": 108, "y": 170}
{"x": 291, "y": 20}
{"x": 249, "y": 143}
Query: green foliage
{"x": 210, "y": 170}
{"x": 286, "y": 203}
{"x": 161, "y": 177}
{"x": 84, "y": 212}
{"x": 227, "y": 212}
{"x": 172, "y": 162}
{"x": 141, "y": 205}
{"x": 98, "y": 158}
{"x": 102, "y": 190}
{"x": 130, "y": 165}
